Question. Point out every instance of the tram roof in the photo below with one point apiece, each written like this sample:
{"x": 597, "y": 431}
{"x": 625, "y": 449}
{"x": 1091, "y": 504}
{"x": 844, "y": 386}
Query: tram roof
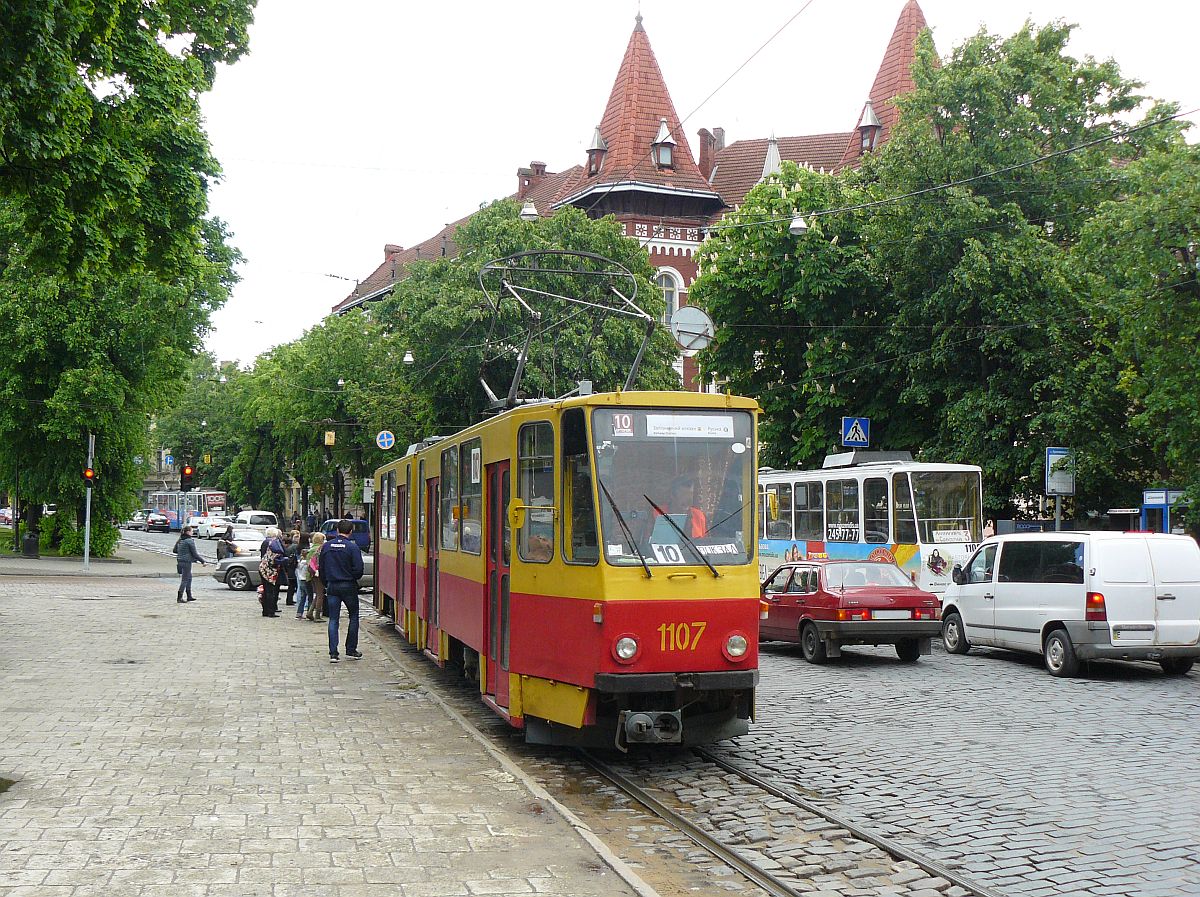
{"x": 621, "y": 399}
{"x": 770, "y": 474}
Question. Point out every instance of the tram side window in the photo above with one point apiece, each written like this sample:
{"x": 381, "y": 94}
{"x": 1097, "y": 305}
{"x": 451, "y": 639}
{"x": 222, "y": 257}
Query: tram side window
{"x": 535, "y": 490}
{"x": 810, "y": 520}
{"x": 779, "y": 511}
{"x": 405, "y": 516}
{"x": 842, "y": 504}
{"x": 471, "y": 466}
{"x": 581, "y": 544}
{"x": 875, "y": 509}
{"x": 450, "y": 509}
{"x": 762, "y": 517}
{"x": 421, "y": 499}
{"x": 903, "y": 521}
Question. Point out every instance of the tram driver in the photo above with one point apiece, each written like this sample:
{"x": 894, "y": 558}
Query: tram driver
{"x": 681, "y": 506}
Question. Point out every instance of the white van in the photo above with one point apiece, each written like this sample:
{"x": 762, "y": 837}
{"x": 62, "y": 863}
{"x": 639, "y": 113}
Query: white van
{"x": 1079, "y": 596}
{"x": 258, "y": 520}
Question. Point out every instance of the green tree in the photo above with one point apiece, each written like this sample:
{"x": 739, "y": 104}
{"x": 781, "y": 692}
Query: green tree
{"x": 996, "y": 352}
{"x": 1143, "y": 252}
{"x": 796, "y": 316}
{"x": 109, "y": 265}
{"x": 441, "y": 315}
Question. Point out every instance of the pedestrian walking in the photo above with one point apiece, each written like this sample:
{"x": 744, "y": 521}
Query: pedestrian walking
{"x": 272, "y": 554}
{"x": 341, "y": 566}
{"x": 316, "y": 602}
{"x": 303, "y": 575}
{"x": 186, "y": 554}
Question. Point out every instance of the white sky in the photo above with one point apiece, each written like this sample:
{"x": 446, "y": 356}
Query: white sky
{"x": 365, "y": 122}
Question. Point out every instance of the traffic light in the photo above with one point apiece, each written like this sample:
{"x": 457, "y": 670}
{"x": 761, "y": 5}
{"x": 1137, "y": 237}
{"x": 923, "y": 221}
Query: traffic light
{"x": 185, "y": 477}
{"x": 89, "y": 476}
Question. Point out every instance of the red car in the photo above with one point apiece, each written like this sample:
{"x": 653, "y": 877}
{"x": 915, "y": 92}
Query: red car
{"x": 824, "y": 604}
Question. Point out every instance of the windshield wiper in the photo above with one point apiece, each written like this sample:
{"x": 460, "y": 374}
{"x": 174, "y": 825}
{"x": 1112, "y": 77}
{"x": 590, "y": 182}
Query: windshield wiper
{"x": 624, "y": 527}
{"x": 686, "y": 537}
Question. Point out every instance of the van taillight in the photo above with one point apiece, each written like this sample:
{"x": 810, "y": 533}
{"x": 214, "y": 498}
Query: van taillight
{"x": 1096, "y": 612}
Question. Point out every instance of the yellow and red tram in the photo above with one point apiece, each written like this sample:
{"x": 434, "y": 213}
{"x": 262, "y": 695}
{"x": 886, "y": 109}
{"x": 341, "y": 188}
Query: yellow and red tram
{"x": 591, "y": 561}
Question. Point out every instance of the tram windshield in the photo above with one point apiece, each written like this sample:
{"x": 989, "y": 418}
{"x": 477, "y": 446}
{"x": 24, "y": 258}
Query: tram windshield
{"x": 674, "y": 485}
{"x": 948, "y": 506}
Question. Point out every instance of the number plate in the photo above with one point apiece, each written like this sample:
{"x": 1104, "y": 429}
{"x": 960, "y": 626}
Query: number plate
{"x": 891, "y": 615}
{"x": 680, "y": 636}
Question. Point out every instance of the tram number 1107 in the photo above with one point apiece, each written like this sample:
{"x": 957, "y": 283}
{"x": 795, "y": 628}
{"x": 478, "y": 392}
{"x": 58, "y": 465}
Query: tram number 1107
{"x": 680, "y": 636}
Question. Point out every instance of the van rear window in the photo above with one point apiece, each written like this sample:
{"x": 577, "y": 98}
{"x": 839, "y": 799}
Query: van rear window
{"x": 262, "y": 519}
{"x": 1038, "y": 561}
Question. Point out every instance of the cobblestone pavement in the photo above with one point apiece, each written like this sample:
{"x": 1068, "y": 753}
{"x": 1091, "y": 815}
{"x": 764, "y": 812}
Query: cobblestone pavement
{"x": 165, "y": 750}
{"x": 1025, "y": 783}
{"x": 799, "y": 847}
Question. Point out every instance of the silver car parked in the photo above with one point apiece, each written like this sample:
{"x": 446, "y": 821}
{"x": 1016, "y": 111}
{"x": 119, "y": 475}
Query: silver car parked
{"x": 241, "y": 573}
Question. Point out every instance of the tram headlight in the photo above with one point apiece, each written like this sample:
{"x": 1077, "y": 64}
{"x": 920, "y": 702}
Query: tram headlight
{"x": 736, "y": 646}
{"x": 626, "y": 648}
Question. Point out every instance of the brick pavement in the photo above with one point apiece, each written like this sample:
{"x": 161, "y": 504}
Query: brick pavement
{"x": 1030, "y": 784}
{"x": 161, "y": 749}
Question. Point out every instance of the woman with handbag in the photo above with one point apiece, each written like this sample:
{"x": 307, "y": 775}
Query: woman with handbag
{"x": 272, "y": 554}
{"x": 316, "y": 603}
{"x": 186, "y": 554}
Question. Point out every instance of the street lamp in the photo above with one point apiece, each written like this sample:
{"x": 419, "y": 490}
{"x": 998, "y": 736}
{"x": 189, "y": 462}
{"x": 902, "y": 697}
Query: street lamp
{"x": 341, "y": 382}
{"x": 529, "y": 211}
{"x": 798, "y": 227}
{"x": 408, "y": 357}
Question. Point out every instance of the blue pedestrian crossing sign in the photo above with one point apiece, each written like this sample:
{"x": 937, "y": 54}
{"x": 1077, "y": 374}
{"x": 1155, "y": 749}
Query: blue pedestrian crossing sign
{"x": 856, "y": 432}
{"x": 385, "y": 439}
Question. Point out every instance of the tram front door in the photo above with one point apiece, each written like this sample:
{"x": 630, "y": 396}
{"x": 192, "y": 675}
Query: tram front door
{"x": 499, "y": 559}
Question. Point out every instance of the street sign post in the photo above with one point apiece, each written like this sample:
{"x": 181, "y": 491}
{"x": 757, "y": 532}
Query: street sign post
{"x": 330, "y": 437}
{"x": 1060, "y": 478}
{"x": 87, "y": 513}
{"x": 385, "y": 439}
{"x": 856, "y": 432}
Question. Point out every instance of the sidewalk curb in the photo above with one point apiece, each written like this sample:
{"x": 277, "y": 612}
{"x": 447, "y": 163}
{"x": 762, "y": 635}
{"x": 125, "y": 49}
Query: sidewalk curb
{"x": 623, "y": 870}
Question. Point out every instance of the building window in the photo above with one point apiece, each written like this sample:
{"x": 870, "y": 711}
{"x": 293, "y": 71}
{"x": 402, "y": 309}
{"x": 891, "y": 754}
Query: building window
{"x": 670, "y": 290}
{"x": 664, "y": 155}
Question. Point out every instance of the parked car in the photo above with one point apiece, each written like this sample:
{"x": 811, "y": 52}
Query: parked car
{"x": 137, "y": 520}
{"x": 361, "y": 534}
{"x": 158, "y": 520}
{"x": 259, "y": 520}
{"x": 1079, "y": 596}
{"x": 212, "y": 526}
{"x": 241, "y": 573}
{"x": 825, "y": 604}
{"x": 246, "y": 543}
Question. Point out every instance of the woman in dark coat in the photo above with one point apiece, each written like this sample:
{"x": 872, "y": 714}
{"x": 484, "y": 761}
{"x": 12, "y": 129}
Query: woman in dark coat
{"x": 186, "y": 554}
{"x": 273, "y": 555}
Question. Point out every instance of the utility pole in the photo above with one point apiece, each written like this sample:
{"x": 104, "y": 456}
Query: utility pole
{"x": 87, "y": 513}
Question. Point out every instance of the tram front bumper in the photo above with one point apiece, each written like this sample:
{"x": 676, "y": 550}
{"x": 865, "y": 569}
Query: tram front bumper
{"x": 637, "y": 683}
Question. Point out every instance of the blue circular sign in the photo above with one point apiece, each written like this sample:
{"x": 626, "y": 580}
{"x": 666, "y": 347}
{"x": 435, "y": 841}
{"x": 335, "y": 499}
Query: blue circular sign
{"x": 385, "y": 439}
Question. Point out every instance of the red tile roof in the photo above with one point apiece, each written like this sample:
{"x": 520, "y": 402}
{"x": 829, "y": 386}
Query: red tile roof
{"x": 638, "y": 102}
{"x": 893, "y": 78}
{"x": 394, "y": 267}
{"x": 740, "y": 165}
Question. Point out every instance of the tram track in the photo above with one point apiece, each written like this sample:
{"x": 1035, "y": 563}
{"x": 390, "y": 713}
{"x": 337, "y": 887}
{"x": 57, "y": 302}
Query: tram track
{"x": 801, "y": 846}
{"x": 763, "y": 878}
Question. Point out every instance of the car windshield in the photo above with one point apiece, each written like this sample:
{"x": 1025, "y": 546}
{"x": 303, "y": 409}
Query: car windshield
{"x": 866, "y": 573}
{"x": 674, "y": 485}
{"x": 948, "y": 506}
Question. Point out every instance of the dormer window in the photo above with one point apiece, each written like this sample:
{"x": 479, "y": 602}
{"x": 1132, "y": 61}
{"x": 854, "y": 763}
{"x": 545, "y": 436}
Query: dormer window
{"x": 663, "y": 147}
{"x": 869, "y": 128}
{"x": 596, "y": 153}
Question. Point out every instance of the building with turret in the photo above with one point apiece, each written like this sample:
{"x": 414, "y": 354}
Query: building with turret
{"x": 641, "y": 170}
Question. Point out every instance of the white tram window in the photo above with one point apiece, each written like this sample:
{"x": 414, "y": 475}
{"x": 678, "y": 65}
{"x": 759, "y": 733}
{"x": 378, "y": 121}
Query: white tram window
{"x": 810, "y": 515}
{"x": 875, "y": 509}
{"x": 450, "y": 510}
{"x": 841, "y": 502}
{"x": 779, "y": 511}
{"x": 903, "y": 522}
{"x": 535, "y": 490}
{"x": 471, "y": 477}
{"x": 581, "y": 542}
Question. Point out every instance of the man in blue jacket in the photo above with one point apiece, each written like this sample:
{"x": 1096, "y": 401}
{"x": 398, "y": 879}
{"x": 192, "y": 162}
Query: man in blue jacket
{"x": 340, "y": 566}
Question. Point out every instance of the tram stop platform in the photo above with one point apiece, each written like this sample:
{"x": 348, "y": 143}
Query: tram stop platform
{"x": 156, "y": 749}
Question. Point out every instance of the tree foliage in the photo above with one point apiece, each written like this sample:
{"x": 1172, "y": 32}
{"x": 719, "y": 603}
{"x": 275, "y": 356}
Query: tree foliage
{"x": 965, "y": 319}
{"x": 109, "y": 265}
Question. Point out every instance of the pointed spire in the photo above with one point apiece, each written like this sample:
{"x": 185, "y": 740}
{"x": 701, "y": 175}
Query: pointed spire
{"x": 638, "y": 115}
{"x": 598, "y": 142}
{"x": 893, "y": 79}
{"x": 772, "y": 163}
